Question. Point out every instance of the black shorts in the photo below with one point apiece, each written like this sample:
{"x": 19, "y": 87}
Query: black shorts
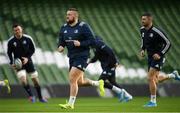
{"x": 29, "y": 67}
{"x": 79, "y": 62}
{"x": 108, "y": 74}
{"x": 157, "y": 64}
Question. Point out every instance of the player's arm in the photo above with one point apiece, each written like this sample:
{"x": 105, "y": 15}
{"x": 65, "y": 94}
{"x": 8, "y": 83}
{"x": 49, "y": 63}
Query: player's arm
{"x": 166, "y": 43}
{"x": 61, "y": 42}
{"x": 30, "y": 51}
{"x": 94, "y": 59}
{"x": 9, "y": 52}
{"x": 113, "y": 60}
{"x": 142, "y": 52}
{"x": 89, "y": 37}
{"x": 86, "y": 43}
{"x": 31, "y": 48}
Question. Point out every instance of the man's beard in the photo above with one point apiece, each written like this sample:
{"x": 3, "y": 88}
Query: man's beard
{"x": 145, "y": 25}
{"x": 71, "y": 21}
{"x": 18, "y": 35}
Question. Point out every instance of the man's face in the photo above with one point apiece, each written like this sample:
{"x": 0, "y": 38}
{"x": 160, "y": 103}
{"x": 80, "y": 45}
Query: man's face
{"x": 146, "y": 21}
{"x": 71, "y": 16}
{"x": 17, "y": 31}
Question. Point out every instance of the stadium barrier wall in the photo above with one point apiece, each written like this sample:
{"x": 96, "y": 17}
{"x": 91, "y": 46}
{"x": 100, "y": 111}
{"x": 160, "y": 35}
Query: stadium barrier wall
{"x": 53, "y": 91}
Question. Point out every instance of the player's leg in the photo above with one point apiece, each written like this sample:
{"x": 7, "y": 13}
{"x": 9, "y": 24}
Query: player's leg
{"x": 76, "y": 73}
{"x": 6, "y": 83}
{"x": 174, "y": 75}
{"x": 87, "y": 82}
{"x": 74, "y": 76}
{"x": 23, "y": 79}
{"x": 154, "y": 66}
{"x": 35, "y": 80}
{"x": 123, "y": 95}
{"x": 2, "y": 83}
{"x": 110, "y": 84}
{"x": 152, "y": 79}
{"x": 164, "y": 77}
{"x": 81, "y": 64}
{"x": 34, "y": 77}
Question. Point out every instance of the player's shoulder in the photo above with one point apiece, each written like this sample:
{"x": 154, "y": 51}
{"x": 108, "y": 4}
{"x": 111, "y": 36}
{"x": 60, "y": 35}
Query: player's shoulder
{"x": 142, "y": 28}
{"x": 157, "y": 30}
{"x": 64, "y": 25}
{"x": 82, "y": 23}
{"x": 11, "y": 39}
{"x": 154, "y": 28}
{"x": 27, "y": 36}
{"x": 99, "y": 42}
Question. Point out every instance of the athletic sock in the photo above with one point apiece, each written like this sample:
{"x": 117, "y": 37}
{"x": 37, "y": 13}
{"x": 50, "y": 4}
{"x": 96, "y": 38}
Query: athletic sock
{"x": 94, "y": 83}
{"x": 28, "y": 89}
{"x": 72, "y": 100}
{"x": 2, "y": 83}
{"x": 153, "y": 98}
{"x": 38, "y": 89}
{"x": 171, "y": 75}
{"x": 116, "y": 89}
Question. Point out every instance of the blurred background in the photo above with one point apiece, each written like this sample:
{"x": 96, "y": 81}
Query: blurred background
{"x": 116, "y": 21}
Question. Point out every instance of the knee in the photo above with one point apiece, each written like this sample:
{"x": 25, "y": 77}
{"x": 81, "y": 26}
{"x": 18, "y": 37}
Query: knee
{"x": 23, "y": 80}
{"x": 72, "y": 80}
{"x": 36, "y": 83}
{"x": 80, "y": 82}
{"x": 152, "y": 78}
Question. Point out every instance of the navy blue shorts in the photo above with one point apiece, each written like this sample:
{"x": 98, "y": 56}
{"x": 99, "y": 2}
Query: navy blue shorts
{"x": 79, "y": 62}
{"x": 108, "y": 72}
{"x": 29, "y": 67}
{"x": 157, "y": 64}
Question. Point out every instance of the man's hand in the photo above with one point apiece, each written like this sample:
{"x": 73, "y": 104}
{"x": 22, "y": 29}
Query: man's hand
{"x": 25, "y": 60}
{"x": 60, "y": 49}
{"x": 13, "y": 66}
{"x": 156, "y": 56}
{"x": 142, "y": 53}
{"x": 117, "y": 65}
{"x": 77, "y": 43}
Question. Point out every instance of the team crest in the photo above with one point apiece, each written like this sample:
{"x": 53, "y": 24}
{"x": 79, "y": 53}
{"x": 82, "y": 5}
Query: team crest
{"x": 151, "y": 35}
{"x": 24, "y": 42}
{"x": 70, "y": 38}
{"x": 76, "y": 31}
{"x": 157, "y": 65}
{"x": 15, "y": 44}
{"x": 104, "y": 72}
{"x": 142, "y": 34}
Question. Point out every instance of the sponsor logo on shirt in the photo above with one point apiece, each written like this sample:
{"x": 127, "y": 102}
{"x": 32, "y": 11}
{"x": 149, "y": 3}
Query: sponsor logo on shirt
{"x": 15, "y": 44}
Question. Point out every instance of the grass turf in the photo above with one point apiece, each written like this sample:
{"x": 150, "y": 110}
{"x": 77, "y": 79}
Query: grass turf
{"x": 86, "y": 105}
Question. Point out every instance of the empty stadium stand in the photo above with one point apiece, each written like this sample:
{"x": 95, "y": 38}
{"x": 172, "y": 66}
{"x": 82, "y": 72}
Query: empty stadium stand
{"x": 116, "y": 21}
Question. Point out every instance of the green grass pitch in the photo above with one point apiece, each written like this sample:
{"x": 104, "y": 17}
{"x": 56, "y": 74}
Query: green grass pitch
{"x": 93, "y": 105}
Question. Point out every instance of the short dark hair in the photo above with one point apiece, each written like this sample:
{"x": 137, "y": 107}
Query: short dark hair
{"x": 15, "y": 25}
{"x": 147, "y": 14}
{"x": 73, "y": 9}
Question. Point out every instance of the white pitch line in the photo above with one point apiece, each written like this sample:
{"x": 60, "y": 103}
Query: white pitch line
{"x": 88, "y": 112}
